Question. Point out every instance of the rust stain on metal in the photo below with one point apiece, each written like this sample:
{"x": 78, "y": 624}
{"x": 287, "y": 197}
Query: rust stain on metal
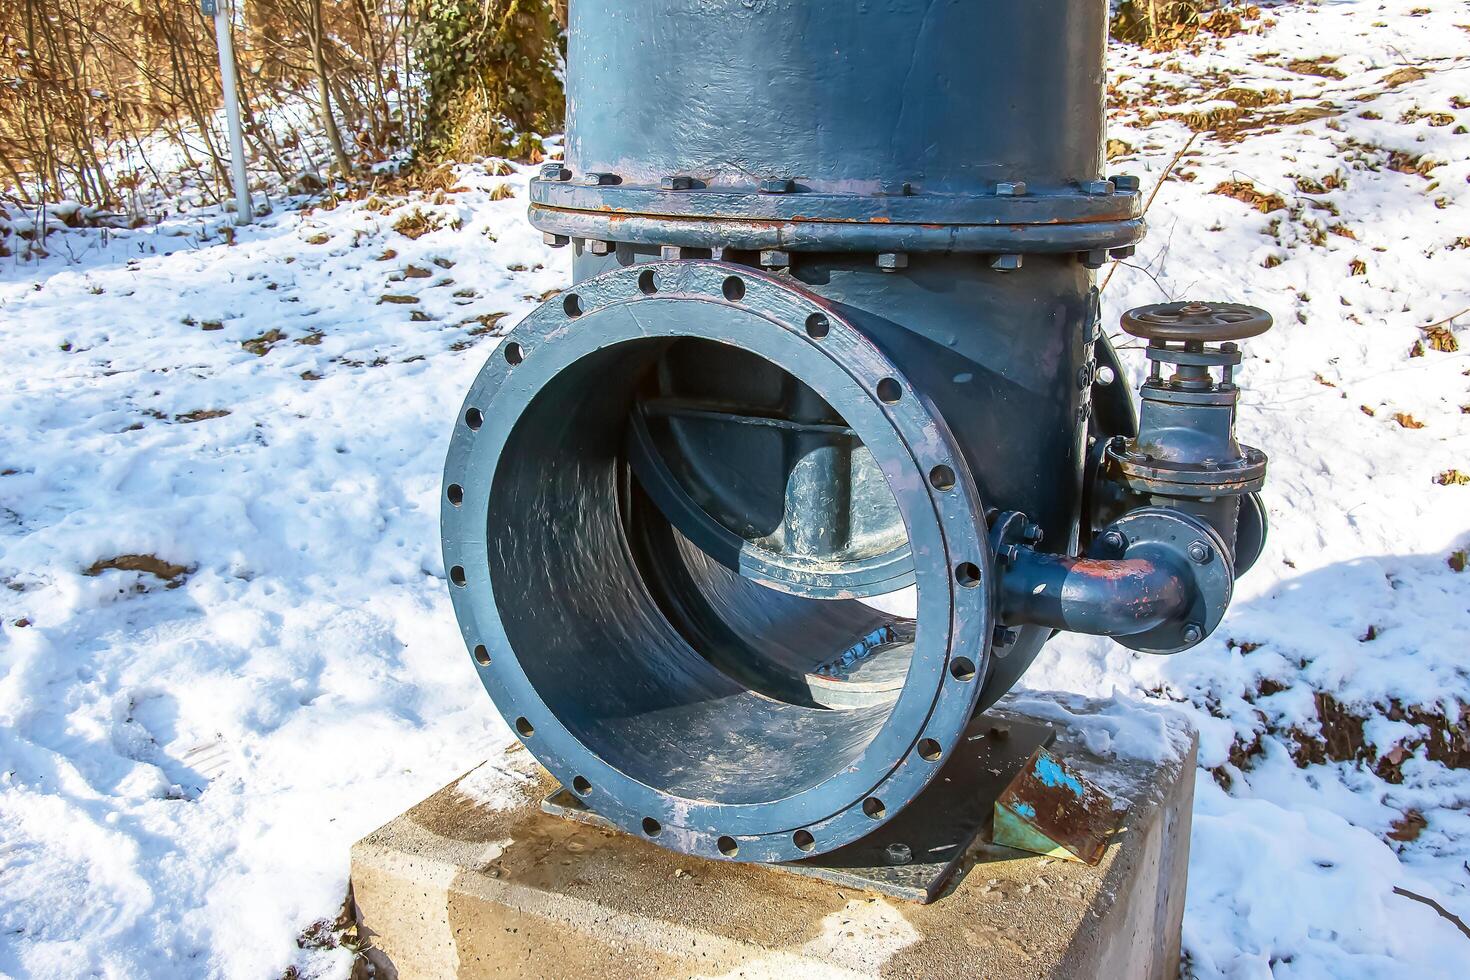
{"x": 1049, "y": 803}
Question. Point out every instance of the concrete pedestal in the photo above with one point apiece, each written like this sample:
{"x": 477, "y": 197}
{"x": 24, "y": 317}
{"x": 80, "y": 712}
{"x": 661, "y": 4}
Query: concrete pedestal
{"x": 464, "y": 887}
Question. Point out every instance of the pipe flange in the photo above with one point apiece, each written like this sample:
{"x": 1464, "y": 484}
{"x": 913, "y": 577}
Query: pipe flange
{"x": 1143, "y": 472}
{"x": 567, "y": 640}
{"x": 1190, "y": 546}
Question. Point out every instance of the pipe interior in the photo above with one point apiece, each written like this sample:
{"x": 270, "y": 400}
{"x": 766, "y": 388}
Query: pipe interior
{"x": 665, "y": 663}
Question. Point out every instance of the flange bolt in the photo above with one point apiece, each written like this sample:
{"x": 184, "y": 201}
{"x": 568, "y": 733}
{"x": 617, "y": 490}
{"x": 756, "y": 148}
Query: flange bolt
{"x": 1114, "y": 541}
{"x": 898, "y": 854}
{"x": 1200, "y": 553}
{"x": 1193, "y": 634}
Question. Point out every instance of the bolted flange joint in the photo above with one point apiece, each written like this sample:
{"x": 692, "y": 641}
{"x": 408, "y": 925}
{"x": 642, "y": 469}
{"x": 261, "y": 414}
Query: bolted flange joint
{"x": 1151, "y": 582}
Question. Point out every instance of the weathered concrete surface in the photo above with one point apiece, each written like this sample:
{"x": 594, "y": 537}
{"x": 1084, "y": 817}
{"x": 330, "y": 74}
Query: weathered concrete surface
{"x": 456, "y": 888}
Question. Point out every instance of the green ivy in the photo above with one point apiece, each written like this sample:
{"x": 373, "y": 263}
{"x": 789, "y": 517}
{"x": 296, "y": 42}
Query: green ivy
{"x": 490, "y": 76}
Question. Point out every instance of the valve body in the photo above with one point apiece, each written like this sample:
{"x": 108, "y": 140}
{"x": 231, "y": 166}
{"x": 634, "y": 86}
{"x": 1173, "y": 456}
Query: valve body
{"x": 833, "y": 336}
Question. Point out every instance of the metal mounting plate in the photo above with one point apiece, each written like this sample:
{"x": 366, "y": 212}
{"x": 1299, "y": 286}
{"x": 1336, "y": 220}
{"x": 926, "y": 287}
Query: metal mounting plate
{"x": 935, "y": 831}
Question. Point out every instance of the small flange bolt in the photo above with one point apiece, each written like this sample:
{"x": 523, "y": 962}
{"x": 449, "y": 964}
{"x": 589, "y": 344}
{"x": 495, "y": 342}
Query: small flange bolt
{"x": 595, "y": 179}
{"x": 898, "y": 854}
{"x": 1200, "y": 553}
{"x": 775, "y": 258}
{"x": 777, "y": 185}
{"x": 555, "y": 241}
{"x": 1123, "y": 252}
{"x": 1032, "y": 533}
{"x": 1010, "y": 188}
{"x": 1004, "y": 636}
{"x": 672, "y": 253}
{"x": 893, "y": 261}
{"x": 1193, "y": 633}
{"x": 1006, "y": 263}
{"x": 1097, "y": 188}
{"x": 598, "y": 247}
{"x": 676, "y": 182}
{"x": 555, "y": 171}
{"x": 1114, "y": 541}
{"x": 1126, "y": 183}
{"x": 1095, "y": 258}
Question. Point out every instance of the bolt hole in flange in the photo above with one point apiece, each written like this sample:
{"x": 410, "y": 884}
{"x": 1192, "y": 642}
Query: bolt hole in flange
{"x": 474, "y": 419}
{"x": 581, "y": 785}
{"x": 728, "y": 846}
{"x": 514, "y": 353}
{"x": 652, "y": 827}
{"x": 455, "y": 493}
{"x": 482, "y": 655}
{"x": 524, "y": 726}
{"x": 646, "y": 283}
{"x": 571, "y": 304}
{"x": 967, "y": 573}
{"x": 718, "y": 677}
{"x": 733, "y": 288}
{"x": 889, "y": 391}
{"x": 457, "y": 575}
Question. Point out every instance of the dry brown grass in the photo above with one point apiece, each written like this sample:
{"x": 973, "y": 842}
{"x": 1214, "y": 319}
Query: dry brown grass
{"x": 1246, "y": 192}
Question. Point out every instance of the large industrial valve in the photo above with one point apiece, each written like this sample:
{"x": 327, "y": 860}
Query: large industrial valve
{"x": 746, "y": 525}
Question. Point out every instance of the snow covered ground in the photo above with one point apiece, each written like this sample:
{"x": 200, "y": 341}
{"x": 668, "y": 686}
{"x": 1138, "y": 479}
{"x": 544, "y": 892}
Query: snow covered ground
{"x": 227, "y": 649}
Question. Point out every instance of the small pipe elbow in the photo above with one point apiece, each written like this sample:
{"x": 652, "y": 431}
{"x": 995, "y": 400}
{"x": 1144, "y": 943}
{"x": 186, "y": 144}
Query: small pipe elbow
{"x": 1117, "y": 597}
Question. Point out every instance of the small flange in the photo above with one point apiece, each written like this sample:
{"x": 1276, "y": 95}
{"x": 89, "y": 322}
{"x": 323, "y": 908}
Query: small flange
{"x": 1191, "y": 547}
{"x": 1147, "y": 473}
{"x": 1195, "y": 321}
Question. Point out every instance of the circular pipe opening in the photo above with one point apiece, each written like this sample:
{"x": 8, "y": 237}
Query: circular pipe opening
{"x": 748, "y": 705}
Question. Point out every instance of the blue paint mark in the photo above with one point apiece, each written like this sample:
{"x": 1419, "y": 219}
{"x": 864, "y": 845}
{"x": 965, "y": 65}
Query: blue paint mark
{"x": 1026, "y": 810}
{"x": 860, "y": 650}
{"x": 1051, "y": 774}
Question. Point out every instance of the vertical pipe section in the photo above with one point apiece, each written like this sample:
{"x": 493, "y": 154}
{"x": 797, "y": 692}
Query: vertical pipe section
{"x": 819, "y": 480}
{"x": 244, "y": 211}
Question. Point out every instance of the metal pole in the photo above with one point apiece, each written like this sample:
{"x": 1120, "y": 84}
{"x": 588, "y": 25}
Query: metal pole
{"x": 220, "y": 10}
